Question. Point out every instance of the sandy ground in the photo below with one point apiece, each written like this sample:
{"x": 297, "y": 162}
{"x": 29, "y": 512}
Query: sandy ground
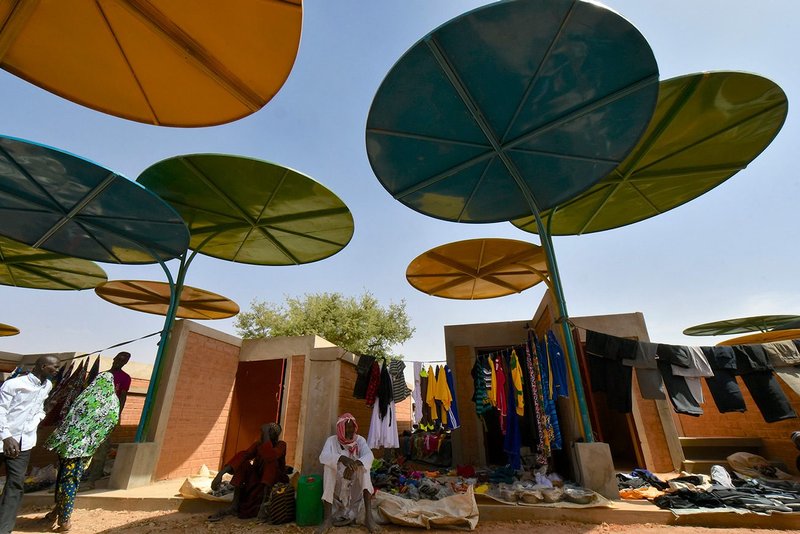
{"x": 104, "y": 521}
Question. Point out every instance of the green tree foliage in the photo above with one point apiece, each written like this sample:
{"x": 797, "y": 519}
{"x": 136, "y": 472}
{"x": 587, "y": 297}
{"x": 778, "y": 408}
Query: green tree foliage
{"x": 360, "y": 325}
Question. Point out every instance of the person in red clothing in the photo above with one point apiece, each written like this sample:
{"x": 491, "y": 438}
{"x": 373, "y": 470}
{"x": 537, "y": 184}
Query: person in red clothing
{"x": 122, "y": 383}
{"x": 254, "y": 470}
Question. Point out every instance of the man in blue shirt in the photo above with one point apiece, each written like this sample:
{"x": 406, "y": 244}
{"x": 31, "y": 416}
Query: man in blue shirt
{"x": 21, "y": 410}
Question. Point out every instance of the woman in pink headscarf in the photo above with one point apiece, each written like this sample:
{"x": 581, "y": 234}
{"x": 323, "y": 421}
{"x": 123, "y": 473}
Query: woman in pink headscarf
{"x": 347, "y": 460}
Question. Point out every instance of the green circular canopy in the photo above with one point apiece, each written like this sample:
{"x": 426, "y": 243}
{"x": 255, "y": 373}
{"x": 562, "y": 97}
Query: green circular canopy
{"x": 154, "y": 297}
{"x": 23, "y": 266}
{"x": 760, "y": 323}
{"x": 511, "y": 107}
{"x": 478, "y": 269}
{"x": 706, "y": 128}
{"x": 163, "y": 62}
{"x": 8, "y": 330}
{"x": 60, "y": 202}
{"x": 251, "y": 211}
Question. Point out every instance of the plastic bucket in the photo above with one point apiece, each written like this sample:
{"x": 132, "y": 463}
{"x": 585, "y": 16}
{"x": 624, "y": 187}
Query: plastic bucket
{"x": 309, "y": 500}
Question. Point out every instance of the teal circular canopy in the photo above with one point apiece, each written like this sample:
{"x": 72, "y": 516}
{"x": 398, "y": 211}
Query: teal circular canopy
{"x": 60, "y": 202}
{"x": 510, "y": 108}
{"x": 251, "y": 211}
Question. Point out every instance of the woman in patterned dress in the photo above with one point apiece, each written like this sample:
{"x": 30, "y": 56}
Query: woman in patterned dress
{"x": 92, "y": 416}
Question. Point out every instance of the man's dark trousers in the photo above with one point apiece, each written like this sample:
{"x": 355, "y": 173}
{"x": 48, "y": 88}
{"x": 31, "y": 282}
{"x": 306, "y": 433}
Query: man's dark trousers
{"x": 12, "y": 494}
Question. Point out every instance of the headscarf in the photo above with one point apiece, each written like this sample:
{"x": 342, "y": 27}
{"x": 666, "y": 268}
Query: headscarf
{"x": 269, "y": 426}
{"x": 350, "y": 444}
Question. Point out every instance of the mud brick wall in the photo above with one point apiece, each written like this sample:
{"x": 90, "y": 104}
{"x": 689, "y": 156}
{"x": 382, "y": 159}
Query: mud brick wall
{"x": 198, "y": 417}
{"x": 775, "y": 436}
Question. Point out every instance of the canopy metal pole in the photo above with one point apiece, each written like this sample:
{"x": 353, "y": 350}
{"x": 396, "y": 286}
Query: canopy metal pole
{"x": 174, "y": 292}
{"x": 555, "y": 285}
{"x": 175, "y": 288}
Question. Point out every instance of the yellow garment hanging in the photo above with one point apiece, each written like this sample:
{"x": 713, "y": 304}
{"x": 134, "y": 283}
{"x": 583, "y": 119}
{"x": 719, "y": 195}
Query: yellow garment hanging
{"x": 516, "y": 379}
{"x": 430, "y": 395}
{"x": 442, "y": 393}
{"x": 493, "y": 390}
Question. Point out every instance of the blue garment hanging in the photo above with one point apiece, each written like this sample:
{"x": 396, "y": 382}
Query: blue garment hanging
{"x": 453, "y": 420}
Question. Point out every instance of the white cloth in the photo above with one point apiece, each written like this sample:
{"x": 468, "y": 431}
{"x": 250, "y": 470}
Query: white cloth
{"x": 22, "y": 409}
{"x": 383, "y": 432}
{"x": 345, "y": 496}
{"x": 699, "y": 366}
{"x": 416, "y": 395}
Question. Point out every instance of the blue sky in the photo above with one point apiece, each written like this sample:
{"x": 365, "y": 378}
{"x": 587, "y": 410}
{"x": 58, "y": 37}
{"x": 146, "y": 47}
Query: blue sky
{"x": 730, "y": 253}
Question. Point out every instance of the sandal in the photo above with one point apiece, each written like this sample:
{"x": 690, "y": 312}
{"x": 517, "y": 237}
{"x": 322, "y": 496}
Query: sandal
{"x": 63, "y": 527}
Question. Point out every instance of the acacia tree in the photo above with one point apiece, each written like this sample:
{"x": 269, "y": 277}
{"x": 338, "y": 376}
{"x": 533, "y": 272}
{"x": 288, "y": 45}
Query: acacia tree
{"x": 360, "y": 325}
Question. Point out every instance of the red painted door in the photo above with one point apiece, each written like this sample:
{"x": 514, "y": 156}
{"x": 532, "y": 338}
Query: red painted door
{"x": 256, "y": 401}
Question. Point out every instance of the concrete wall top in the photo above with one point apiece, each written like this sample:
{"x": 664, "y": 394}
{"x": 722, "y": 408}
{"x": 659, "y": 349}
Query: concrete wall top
{"x": 273, "y": 348}
{"x": 629, "y": 325}
{"x": 486, "y": 334}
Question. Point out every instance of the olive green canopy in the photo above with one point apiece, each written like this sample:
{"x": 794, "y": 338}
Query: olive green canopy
{"x": 760, "y": 323}
{"x": 251, "y": 211}
{"x": 706, "y": 128}
{"x": 23, "y": 266}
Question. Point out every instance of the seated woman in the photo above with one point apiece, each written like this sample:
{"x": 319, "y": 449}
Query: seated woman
{"x": 255, "y": 470}
{"x": 347, "y": 459}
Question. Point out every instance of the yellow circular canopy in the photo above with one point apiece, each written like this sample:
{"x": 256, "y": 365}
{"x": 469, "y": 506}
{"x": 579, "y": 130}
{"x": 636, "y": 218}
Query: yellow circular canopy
{"x": 153, "y": 297}
{"x": 763, "y": 337}
{"x": 478, "y": 269}
{"x": 8, "y": 330}
{"x": 163, "y": 62}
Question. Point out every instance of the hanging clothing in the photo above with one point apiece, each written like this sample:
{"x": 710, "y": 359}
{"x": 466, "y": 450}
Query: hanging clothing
{"x": 383, "y": 430}
{"x": 540, "y": 423}
{"x": 753, "y": 365}
{"x": 549, "y": 401}
{"x": 679, "y": 393}
{"x": 416, "y": 398}
{"x": 426, "y": 423}
{"x": 516, "y": 382}
{"x": 453, "y": 421}
{"x": 479, "y": 396}
{"x": 608, "y": 373}
{"x": 512, "y": 442}
{"x": 647, "y": 376}
{"x": 723, "y": 386}
{"x": 698, "y": 367}
{"x": 558, "y": 367}
{"x": 363, "y": 374}
{"x": 442, "y": 395}
{"x": 400, "y": 389}
{"x": 373, "y": 384}
{"x": 502, "y": 393}
{"x": 491, "y": 384}
{"x": 385, "y": 391}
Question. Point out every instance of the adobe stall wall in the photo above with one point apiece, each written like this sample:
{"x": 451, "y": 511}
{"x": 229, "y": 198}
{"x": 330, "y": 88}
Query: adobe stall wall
{"x": 191, "y": 409}
{"x": 658, "y": 435}
{"x": 462, "y": 342}
{"x": 653, "y": 419}
{"x": 775, "y": 437}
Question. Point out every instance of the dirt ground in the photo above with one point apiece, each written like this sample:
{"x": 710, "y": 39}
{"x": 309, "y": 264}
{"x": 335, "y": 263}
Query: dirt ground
{"x": 104, "y": 521}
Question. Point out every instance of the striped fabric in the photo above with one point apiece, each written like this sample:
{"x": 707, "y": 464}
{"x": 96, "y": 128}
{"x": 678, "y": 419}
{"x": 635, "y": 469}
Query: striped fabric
{"x": 280, "y": 507}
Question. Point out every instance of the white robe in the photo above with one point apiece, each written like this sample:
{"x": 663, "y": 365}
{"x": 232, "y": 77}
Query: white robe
{"x": 345, "y": 496}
